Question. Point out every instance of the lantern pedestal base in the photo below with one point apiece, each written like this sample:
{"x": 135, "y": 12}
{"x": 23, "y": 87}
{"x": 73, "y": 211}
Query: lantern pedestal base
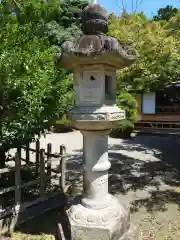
{"x": 110, "y": 223}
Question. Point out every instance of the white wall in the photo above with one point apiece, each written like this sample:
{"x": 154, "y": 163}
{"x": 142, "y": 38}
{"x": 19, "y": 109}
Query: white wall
{"x": 148, "y": 103}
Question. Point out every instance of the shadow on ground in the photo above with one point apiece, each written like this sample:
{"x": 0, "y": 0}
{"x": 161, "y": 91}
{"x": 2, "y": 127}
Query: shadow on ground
{"x": 153, "y": 174}
{"x": 147, "y": 166}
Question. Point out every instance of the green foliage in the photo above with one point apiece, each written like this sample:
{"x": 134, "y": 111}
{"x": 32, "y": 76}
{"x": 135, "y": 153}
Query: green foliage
{"x": 158, "y": 62}
{"x": 66, "y": 26}
{"x": 59, "y": 20}
{"x": 125, "y": 127}
{"x": 31, "y": 91}
{"x": 173, "y": 27}
{"x": 123, "y": 130}
{"x": 70, "y": 12}
{"x": 33, "y": 11}
{"x": 63, "y": 126}
{"x": 164, "y": 14}
{"x": 128, "y": 103}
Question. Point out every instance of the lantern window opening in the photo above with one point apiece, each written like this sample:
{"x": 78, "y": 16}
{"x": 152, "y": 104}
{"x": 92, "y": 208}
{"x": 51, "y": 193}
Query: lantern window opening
{"x": 92, "y": 78}
{"x": 108, "y": 87}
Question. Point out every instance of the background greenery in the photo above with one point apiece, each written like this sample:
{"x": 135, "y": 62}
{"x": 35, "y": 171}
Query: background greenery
{"x": 34, "y": 92}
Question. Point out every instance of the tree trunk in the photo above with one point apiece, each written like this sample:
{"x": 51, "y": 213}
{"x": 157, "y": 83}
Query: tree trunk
{"x": 2, "y": 108}
{"x": 2, "y": 158}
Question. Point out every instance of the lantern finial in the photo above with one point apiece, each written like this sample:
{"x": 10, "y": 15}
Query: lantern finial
{"x": 94, "y": 19}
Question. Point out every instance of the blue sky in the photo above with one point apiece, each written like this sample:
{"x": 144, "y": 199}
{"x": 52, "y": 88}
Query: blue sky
{"x": 149, "y": 7}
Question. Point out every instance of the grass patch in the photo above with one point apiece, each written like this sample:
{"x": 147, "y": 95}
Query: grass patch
{"x": 23, "y": 236}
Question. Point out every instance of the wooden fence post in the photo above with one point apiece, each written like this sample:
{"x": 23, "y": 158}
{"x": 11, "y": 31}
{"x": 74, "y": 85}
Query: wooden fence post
{"x": 27, "y": 153}
{"x": 62, "y": 179}
{"x": 49, "y": 159}
{"x": 42, "y": 172}
{"x": 18, "y": 178}
{"x": 37, "y": 155}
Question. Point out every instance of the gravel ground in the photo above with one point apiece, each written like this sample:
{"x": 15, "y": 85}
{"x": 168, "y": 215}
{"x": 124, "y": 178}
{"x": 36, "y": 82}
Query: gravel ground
{"x": 145, "y": 174}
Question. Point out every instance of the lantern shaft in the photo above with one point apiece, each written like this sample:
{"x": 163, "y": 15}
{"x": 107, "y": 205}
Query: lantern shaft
{"x": 94, "y": 59}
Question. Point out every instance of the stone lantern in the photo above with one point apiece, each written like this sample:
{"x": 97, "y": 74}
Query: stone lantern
{"x": 94, "y": 59}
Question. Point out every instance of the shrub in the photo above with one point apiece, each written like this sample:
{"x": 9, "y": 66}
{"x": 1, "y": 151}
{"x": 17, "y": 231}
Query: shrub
{"x": 124, "y": 129}
{"x": 127, "y": 102}
{"x": 63, "y": 126}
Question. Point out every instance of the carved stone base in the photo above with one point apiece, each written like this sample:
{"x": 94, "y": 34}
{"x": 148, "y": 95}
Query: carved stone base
{"x": 111, "y": 223}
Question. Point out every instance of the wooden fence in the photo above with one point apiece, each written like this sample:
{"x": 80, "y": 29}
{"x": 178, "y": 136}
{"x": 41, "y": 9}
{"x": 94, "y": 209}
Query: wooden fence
{"x": 44, "y": 173}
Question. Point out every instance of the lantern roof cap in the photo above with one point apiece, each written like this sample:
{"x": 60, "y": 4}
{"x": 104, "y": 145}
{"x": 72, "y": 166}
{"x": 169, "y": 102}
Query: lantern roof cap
{"x": 95, "y": 47}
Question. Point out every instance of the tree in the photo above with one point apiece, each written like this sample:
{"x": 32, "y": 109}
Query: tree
{"x": 173, "y": 26}
{"x": 166, "y": 13}
{"x": 159, "y": 58}
{"x": 32, "y": 89}
{"x": 158, "y": 63}
{"x": 59, "y": 20}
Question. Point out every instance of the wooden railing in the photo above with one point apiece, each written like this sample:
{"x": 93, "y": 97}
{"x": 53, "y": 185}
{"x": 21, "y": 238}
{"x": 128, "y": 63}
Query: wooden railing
{"x": 168, "y": 109}
{"x": 44, "y": 173}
